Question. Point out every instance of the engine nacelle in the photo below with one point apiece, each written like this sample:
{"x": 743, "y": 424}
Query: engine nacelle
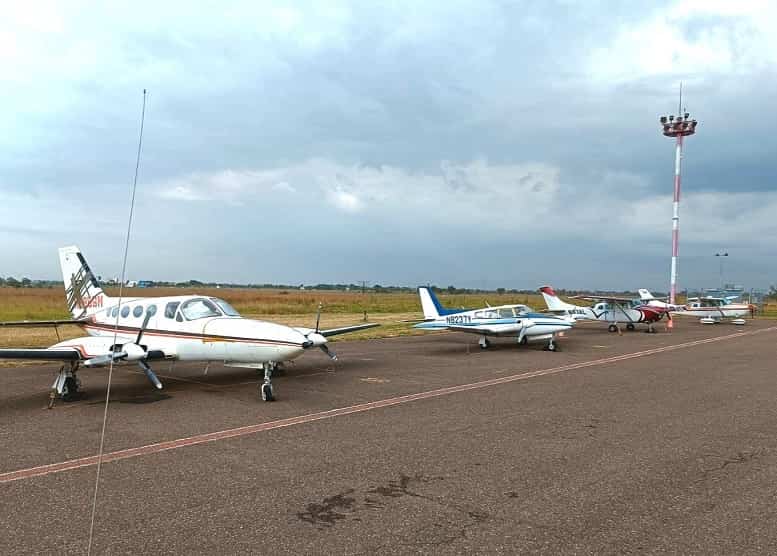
{"x": 134, "y": 352}
{"x": 317, "y": 339}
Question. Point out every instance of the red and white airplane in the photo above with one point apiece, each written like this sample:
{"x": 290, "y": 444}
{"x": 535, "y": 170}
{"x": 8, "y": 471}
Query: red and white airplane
{"x": 181, "y": 328}
{"x": 608, "y": 309}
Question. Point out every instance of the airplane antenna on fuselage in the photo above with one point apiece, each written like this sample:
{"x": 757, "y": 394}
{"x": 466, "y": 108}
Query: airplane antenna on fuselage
{"x": 116, "y": 328}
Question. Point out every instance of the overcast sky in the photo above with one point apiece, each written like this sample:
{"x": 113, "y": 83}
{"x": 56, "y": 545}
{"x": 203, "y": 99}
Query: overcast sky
{"x": 482, "y": 143}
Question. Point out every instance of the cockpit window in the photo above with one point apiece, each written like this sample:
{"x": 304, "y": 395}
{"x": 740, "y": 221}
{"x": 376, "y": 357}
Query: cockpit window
{"x": 226, "y": 307}
{"x": 199, "y": 308}
{"x": 170, "y": 309}
{"x": 506, "y": 313}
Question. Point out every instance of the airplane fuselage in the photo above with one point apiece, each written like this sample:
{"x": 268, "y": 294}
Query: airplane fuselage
{"x": 190, "y": 328}
{"x": 506, "y": 320}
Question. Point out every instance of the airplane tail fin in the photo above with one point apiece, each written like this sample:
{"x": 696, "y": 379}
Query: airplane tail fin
{"x": 552, "y": 300}
{"x": 82, "y": 291}
{"x": 645, "y": 295}
{"x": 431, "y": 306}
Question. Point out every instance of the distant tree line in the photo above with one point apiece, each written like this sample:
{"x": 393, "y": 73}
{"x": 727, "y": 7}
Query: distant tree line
{"x": 25, "y": 282}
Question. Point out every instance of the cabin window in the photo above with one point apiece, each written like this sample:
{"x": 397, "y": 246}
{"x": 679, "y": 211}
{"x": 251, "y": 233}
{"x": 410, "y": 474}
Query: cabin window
{"x": 114, "y": 312}
{"x": 124, "y": 312}
{"x": 179, "y": 317}
{"x": 151, "y": 310}
{"x": 170, "y": 309}
{"x": 199, "y": 308}
{"x": 225, "y": 307}
{"x": 137, "y": 311}
{"x": 506, "y": 313}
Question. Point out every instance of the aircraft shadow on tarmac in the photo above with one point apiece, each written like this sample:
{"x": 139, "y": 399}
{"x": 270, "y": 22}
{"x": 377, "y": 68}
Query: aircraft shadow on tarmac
{"x": 130, "y": 386}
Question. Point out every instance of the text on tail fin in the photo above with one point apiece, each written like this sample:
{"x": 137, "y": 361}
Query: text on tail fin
{"x": 83, "y": 293}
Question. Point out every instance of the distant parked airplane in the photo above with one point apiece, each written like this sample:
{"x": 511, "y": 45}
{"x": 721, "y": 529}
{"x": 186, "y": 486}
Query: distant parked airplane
{"x": 607, "y": 309}
{"x": 711, "y": 310}
{"x": 516, "y": 321}
{"x": 182, "y": 328}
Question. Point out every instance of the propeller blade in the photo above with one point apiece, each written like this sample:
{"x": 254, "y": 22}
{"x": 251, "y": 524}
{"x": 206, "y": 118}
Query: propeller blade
{"x": 105, "y": 359}
{"x": 332, "y": 355}
{"x": 143, "y": 327}
{"x": 150, "y": 374}
{"x": 318, "y": 318}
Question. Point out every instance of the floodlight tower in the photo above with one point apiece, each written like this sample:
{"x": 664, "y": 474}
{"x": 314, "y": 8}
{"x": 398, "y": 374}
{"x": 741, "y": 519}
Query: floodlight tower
{"x": 678, "y": 127}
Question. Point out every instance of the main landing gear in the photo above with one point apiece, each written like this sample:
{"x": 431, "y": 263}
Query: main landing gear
{"x": 484, "y": 343}
{"x": 551, "y": 346}
{"x": 66, "y": 386}
{"x": 630, "y": 327}
{"x": 265, "y": 388}
{"x": 612, "y": 328}
{"x": 650, "y": 329}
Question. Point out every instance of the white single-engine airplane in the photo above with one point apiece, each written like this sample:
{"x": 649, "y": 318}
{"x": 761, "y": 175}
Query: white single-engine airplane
{"x": 518, "y": 321}
{"x": 710, "y": 310}
{"x": 146, "y": 329}
{"x": 608, "y": 309}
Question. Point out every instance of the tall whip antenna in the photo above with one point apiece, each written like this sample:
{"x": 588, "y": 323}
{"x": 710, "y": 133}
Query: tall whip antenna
{"x": 116, "y": 329}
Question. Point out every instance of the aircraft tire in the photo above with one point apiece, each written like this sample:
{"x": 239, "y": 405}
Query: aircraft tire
{"x": 267, "y": 393}
{"x": 612, "y": 328}
{"x": 630, "y": 326}
{"x": 70, "y": 390}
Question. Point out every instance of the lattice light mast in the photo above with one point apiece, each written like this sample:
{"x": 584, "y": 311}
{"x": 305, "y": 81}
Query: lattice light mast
{"x": 679, "y": 126}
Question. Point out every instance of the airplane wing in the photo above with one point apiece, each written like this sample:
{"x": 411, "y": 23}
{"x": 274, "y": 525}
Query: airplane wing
{"x": 336, "y": 331}
{"x": 609, "y": 299}
{"x": 486, "y": 330}
{"x": 42, "y": 354}
{"x": 347, "y": 329}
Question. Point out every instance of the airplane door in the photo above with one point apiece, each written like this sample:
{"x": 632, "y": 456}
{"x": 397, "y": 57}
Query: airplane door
{"x": 214, "y": 349}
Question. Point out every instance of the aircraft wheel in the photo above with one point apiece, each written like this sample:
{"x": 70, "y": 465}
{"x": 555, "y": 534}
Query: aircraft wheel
{"x": 524, "y": 341}
{"x": 551, "y": 347}
{"x": 630, "y": 326}
{"x": 267, "y": 393}
{"x": 484, "y": 343}
{"x": 612, "y": 328}
{"x": 70, "y": 389}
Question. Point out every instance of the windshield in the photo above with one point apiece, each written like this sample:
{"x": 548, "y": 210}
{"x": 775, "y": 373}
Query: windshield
{"x": 199, "y": 309}
{"x": 226, "y": 307}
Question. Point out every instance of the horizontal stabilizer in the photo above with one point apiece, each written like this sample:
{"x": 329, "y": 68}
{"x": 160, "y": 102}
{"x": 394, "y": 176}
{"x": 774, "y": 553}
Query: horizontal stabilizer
{"x": 41, "y": 354}
{"x": 34, "y": 323}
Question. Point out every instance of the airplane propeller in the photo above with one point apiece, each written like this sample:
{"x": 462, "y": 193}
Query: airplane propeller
{"x": 522, "y": 333}
{"x": 317, "y": 339}
{"x": 130, "y": 352}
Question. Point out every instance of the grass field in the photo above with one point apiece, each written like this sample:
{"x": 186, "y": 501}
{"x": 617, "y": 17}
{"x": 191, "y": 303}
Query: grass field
{"x": 292, "y": 307}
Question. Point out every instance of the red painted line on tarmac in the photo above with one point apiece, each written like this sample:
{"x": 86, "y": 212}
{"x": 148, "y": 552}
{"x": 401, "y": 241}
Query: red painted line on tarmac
{"x": 118, "y": 455}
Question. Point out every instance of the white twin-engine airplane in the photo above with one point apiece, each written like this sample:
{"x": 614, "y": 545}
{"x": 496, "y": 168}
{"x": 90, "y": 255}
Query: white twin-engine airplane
{"x": 518, "y": 321}
{"x": 181, "y": 328}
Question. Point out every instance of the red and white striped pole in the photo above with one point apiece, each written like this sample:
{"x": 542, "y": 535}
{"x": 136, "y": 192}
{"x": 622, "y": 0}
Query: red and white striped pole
{"x": 678, "y": 127}
{"x": 678, "y": 158}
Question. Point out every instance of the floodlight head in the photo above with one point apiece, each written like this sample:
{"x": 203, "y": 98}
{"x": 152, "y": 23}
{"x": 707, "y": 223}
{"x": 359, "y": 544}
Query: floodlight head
{"x": 671, "y": 117}
{"x": 686, "y": 115}
{"x": 663, "y": 119}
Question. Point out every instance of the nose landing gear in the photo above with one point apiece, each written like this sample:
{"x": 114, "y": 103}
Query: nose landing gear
{"x": 265, "y": 388}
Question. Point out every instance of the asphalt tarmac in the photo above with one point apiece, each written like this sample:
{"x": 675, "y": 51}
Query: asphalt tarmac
{"x": 640, "y": 443}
